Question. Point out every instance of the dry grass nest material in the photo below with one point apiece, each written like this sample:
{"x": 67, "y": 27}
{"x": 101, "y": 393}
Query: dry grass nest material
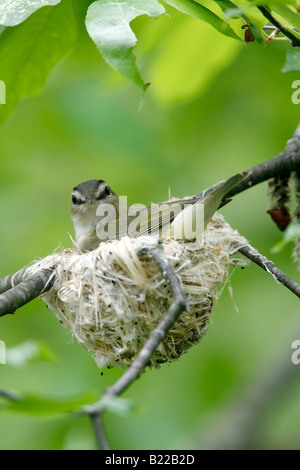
{"x": 111, "y": 299}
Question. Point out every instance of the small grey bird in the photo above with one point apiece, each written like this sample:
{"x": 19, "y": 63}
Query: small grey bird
{"x": 98, "y": 213}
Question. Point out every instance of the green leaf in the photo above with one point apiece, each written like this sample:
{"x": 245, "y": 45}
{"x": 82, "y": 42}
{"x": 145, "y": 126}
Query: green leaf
{"x": 108, "y": 24}
{"x": 289, "y": 14}
{"x": 256, "y": 35}
{"x": 254, "y": 16}
{"x": 294, "y": 31}
{"x": 292, "y": 62}
{"x": 255, "y": 24}
{"x": 189, "y": 61}
{"x": 225, "y": 4}
{"x": 196, "y": 10}
{"x": 42, "y": 406}
{"x": 28, "y": 352}
{"x": 117, "y": 405}
{"x": 233, "y": 13}
{"x": 275, "y": 2}
{"x": 29, "y": 51}
{"x": 291, "y": 234}
{"x": 13, "y": 12}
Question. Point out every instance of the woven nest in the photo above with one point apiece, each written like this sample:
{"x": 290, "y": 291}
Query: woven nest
{"x": 111, "y": 299}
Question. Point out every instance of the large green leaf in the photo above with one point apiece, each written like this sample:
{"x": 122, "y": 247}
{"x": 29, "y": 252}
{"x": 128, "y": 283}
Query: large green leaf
{"x": 108, "y": 24}
{"x": 292, "y": 63}
{"x": 292, "y": 233}
{"x": 13, "y": 12}
{"x": 189, "y": 61}
{"x": 225, "y": 4}
{"x": 43, "y": 406}
{"x": 29, "y": 51}
{"x": 117, "y": 405}
{"x": 254, "y": 16}
{"x": 28, "y": 352}
{"x": 273, "y": 2}
{"x": 192, "y": 8}
{"x": 288, "y": 13}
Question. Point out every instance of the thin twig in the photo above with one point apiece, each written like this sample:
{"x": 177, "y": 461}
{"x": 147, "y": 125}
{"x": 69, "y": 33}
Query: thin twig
{"x": 252, "y": 254}
{"x": 281, "y": 165}
{"x": 99, "y": 431}
{"x": 178, "y": 306}
{"x": 14, "y": 396}
{"x": 267, "y": 14}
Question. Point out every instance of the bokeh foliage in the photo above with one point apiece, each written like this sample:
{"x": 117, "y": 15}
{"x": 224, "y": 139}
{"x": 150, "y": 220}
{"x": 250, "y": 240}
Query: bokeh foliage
{"x": 216, "y": 105}
{"x": 35, "y": 35}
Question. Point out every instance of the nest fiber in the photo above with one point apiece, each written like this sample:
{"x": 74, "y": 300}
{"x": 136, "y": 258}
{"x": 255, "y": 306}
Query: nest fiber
{"x": 112, "y": 299}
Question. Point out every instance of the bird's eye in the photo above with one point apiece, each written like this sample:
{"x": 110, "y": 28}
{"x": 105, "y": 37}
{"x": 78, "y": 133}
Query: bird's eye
{"x": 74, "y": 200}
{"x": 107, "y": 190}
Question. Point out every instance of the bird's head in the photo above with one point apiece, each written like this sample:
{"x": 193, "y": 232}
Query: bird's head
{"x": 86, "y": 198}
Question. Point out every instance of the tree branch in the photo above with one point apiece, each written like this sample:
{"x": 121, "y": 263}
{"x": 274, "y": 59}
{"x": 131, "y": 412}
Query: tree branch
{"x": 14, "y": 396}
{"x": 281, "y": 165}
{"x": 252, "y": 254}
{"x": 26, "y": 291}
{"x": 178, "y": 306}
{"x": 99, "y": 431}
{"x": 12, "y": 280}
{"x": 267, "y": 14}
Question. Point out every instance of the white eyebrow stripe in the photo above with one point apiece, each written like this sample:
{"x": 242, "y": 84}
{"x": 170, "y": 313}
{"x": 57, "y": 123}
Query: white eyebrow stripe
{"x": 100, "y": 190}
{"x": 77, "y": 194}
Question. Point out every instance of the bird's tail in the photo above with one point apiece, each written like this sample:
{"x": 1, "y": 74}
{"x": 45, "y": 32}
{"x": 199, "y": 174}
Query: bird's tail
{"x": 216, "y": 198}
{"x": 199, "y": 214}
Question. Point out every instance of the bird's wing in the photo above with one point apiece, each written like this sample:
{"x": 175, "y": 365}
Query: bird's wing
{"x": 151, "y": 219}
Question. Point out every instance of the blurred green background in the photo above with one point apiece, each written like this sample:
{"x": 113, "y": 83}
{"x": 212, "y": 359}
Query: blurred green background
{"x": 214, "y": 107}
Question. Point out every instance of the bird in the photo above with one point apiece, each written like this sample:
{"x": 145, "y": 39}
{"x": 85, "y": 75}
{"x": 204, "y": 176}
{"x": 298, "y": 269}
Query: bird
{"x": 100, "y": 215}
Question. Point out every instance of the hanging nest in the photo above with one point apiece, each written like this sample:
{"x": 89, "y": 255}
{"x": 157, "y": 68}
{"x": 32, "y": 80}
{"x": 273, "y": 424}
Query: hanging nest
{"x": 112, "y": 299}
